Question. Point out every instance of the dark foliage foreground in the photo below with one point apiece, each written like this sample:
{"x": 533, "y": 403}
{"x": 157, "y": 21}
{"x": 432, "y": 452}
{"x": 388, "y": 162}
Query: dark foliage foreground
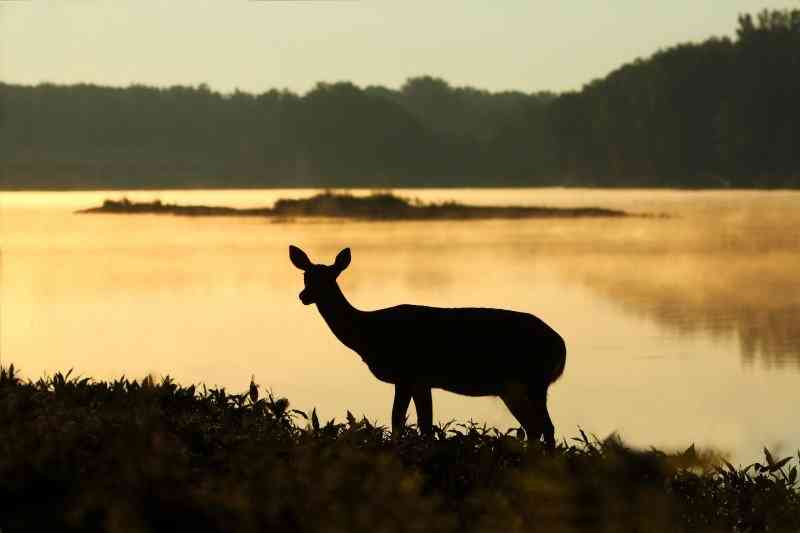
{"x": 83, "y": 455}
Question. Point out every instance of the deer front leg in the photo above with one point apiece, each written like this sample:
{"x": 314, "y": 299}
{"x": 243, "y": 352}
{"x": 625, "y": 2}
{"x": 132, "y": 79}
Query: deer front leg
{"x": 424, "y": 404}
{"x": 402, "y": 397}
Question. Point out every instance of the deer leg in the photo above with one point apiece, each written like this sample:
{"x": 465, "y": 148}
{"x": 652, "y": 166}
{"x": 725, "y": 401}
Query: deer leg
{"x": 539, "y": 397}
{"x": 402, "y": 397}
{"x": 549, "y": 431}
{"x": 525, "y": 410}
{"x": 424, "y": 405}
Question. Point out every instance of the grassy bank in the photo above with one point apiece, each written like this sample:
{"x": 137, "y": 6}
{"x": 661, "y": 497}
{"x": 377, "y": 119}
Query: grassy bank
{"x": 377, "y": 206}
{"x": 84, "y": 455}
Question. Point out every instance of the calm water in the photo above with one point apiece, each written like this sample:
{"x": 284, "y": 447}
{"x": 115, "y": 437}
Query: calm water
{"x": 679, "y": 330}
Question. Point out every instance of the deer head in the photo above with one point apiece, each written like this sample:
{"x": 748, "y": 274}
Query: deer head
{"x": 319, "y": 280}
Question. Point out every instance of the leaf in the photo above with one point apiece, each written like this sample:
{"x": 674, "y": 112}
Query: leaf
{"x": 793, "y": 475}
{"x": 351, "y": 420}
{"x": 768, "y": 455}
{"x": 777, "y": 466}
{"x": 281, "y": 405}
{"x": 690, "y": 452}
{"x": 253, "y": 390}
{"x": 314, "y": 420}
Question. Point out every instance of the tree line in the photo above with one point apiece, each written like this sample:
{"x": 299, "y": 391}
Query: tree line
{"x": 720, "y": 113}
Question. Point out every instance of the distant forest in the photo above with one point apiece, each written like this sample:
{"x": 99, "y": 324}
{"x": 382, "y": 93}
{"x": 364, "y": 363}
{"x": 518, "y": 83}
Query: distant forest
{"x": 721, "y": 113}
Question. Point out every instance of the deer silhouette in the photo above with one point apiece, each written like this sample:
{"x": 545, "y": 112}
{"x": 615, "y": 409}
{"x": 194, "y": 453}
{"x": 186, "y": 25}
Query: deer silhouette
{"x": 470, "y": 351}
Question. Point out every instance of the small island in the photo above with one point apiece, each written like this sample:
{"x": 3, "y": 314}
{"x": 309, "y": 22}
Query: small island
{"x": 377, "y": 206}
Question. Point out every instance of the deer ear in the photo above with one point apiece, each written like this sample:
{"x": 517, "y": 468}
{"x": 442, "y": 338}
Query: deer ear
{"x": 342, "y": 259}
{"x": 299, "y": 258}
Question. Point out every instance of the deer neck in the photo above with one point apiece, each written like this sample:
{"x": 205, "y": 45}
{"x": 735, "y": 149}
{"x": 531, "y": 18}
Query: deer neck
{"x": 343, "y": 319}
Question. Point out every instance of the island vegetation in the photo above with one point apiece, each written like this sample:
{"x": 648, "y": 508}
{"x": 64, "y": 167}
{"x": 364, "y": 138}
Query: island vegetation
{"x": 719, "y": 113}
{"x": 78, "y": 454}
{"x": 376, "y": 206}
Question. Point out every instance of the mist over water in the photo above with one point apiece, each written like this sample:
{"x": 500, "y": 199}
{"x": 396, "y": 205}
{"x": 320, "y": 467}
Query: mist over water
{"x": 679, "y": 330}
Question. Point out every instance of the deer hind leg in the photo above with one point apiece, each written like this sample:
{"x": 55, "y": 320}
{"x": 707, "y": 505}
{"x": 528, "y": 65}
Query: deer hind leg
{"x": 424, "y": 405}
{"x": 538, "y": 395}
{"x": 402, "y": 398}
{"x": 525, "y": 410}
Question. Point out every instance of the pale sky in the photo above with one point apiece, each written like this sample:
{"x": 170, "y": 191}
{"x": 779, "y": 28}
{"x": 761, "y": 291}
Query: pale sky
{"x": 256, "y": 45}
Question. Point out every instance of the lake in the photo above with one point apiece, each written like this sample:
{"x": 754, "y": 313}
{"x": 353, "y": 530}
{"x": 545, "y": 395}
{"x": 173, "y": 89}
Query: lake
{"x": 679, "y": 330}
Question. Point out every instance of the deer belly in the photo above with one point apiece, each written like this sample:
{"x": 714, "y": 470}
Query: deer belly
{"x": 480, "y": 371}
{"x": 451, "y": 383}
{"x": 386, "y": 372}
{"x": 470, "y": 389}
{"x": 478, "y": 375}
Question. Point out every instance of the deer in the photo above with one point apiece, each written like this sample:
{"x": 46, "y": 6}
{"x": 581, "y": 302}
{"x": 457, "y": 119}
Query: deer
{"x": 471, "y": 351}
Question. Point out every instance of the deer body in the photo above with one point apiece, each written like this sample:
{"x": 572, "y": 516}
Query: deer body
{"x": 469, "y": 351}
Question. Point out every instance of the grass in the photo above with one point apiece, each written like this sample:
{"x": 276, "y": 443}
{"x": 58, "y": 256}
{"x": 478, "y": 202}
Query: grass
{"x": 78, "y": 454}
{"x": 377, "y": 206}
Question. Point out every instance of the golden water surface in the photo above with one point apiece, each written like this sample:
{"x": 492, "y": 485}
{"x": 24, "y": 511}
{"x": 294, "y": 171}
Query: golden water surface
{"x": 679, "y": 330}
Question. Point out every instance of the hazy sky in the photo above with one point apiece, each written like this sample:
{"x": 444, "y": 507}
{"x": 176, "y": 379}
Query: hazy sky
{"x": 257, "y": 45}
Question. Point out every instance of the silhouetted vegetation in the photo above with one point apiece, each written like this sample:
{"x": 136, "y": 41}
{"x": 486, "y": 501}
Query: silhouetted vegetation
{"x": 723, "y": 112}
{"x": 85, "y": 455}
{"x": 377, "y": 206}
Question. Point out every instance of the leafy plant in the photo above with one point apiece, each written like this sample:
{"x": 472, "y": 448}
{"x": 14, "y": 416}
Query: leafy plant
{"x": 151, "y": 455}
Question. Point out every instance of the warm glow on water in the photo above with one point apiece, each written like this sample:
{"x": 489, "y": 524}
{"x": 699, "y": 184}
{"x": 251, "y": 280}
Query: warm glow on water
{"x": 679, "y": 330}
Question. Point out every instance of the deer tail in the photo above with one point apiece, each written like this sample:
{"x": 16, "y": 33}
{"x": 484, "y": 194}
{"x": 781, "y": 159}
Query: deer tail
{"x": 559, "y": 360}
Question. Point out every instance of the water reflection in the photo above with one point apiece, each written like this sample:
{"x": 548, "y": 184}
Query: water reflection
{"x": 659, "y": 314}
{"x": 752, "y": 297}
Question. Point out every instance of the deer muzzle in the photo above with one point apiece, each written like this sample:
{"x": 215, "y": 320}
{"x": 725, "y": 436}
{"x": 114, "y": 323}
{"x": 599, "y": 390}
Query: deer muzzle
{"x": 305, "y": 297}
